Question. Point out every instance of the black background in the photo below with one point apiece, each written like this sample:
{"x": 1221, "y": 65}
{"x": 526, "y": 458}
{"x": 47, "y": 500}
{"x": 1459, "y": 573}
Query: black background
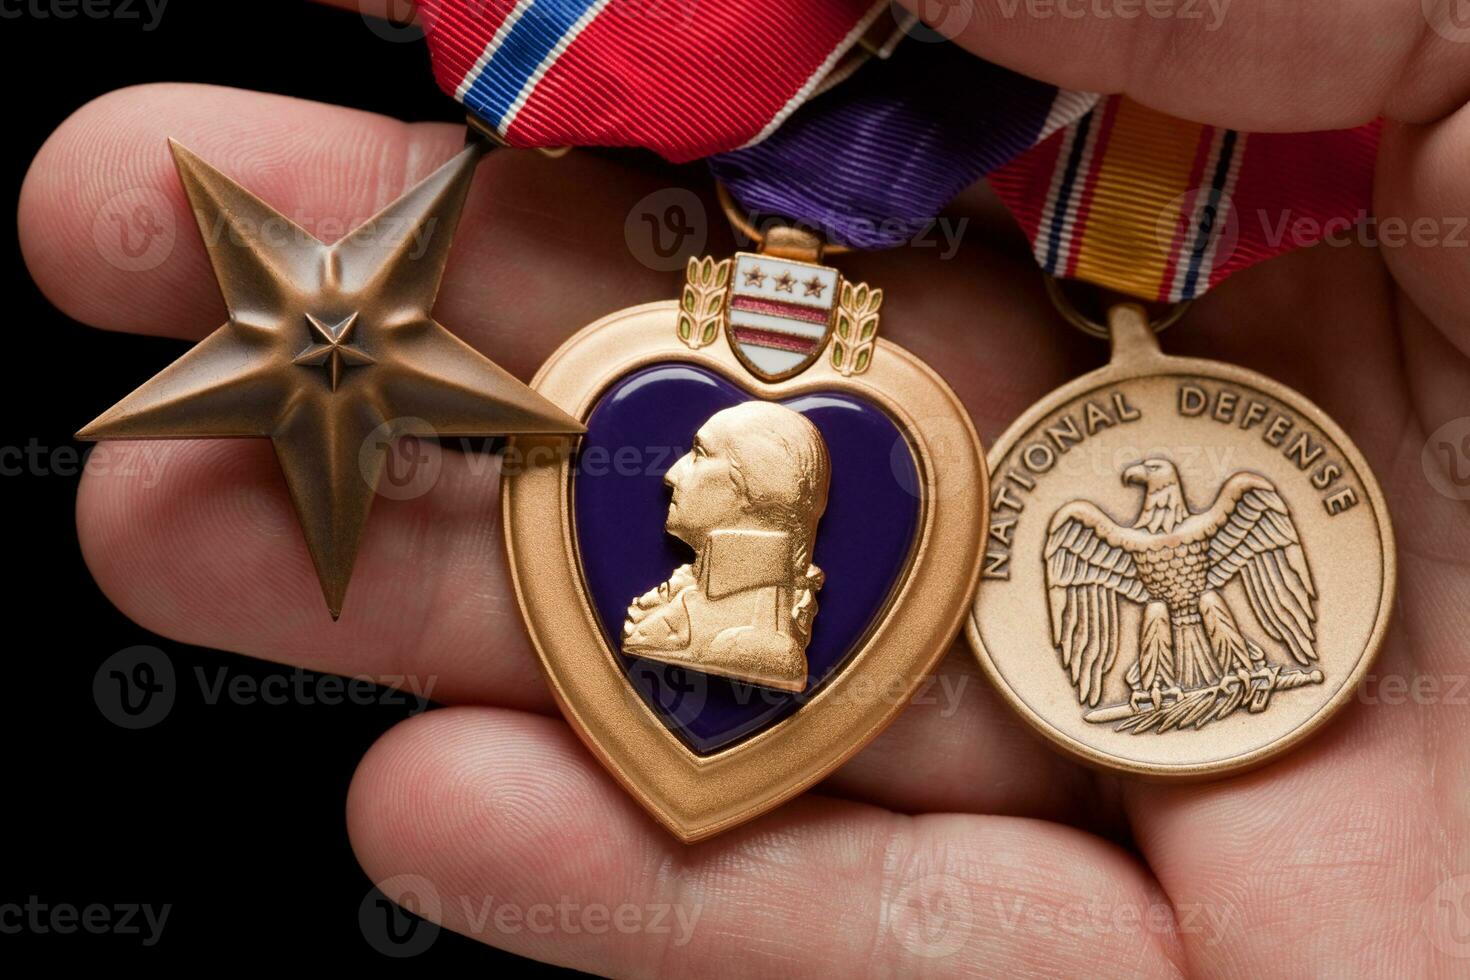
{"x": 231, "y": 813}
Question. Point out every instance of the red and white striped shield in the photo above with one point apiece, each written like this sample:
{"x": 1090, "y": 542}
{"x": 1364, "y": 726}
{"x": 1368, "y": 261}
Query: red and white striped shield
{"x": 779, "y": 313}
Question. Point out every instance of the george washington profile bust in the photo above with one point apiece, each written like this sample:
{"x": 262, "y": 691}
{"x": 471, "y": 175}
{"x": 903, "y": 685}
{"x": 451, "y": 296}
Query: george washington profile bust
{"x": 747, "y": 498}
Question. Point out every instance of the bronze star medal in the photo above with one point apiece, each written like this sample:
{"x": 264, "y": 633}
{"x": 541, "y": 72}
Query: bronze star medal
{"x": 326, "y": 348}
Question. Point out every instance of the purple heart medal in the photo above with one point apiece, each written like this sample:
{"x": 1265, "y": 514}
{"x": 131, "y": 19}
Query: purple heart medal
{"x": 770, "y": 532}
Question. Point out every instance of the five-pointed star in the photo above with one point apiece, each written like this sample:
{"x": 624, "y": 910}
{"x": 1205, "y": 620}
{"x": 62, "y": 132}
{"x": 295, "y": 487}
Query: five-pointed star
{"x": 297, "y": 305}
{"x": 784, "y": 282}
{"x": 814, "y": 286}
{"x": 335, "y": 349}
{"x": 754, "y": 276}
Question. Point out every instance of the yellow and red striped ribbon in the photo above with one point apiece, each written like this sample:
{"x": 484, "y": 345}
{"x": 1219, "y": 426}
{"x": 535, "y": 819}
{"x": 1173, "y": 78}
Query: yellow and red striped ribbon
{"x": 1163, "y": 209}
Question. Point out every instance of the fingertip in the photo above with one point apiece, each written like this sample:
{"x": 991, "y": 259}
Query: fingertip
{"x": 100, "y": 215}
{"x": 106, "y": 229}
{"x": 471, "y": 798}
{"x": 1423, "y": 190}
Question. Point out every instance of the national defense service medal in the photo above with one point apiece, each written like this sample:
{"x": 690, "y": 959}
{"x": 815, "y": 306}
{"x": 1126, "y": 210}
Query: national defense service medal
{"x": 767, "y": 537}
{"x": 1189, "y": 567}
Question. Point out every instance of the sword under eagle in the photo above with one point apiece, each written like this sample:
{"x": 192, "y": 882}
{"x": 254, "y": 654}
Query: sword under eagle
{"x": 1194, "y": 664}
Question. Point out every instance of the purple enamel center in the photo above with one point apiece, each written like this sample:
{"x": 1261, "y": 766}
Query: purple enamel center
{"x": 640, "y": 428}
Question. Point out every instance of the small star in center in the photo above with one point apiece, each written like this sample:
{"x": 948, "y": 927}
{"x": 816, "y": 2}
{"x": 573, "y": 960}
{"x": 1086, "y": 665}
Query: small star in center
{"x": 784, "y": 282}
{"x": 814, "y": 286}
{"x": 334, "y": 348}
{"x": 755, "y": 277}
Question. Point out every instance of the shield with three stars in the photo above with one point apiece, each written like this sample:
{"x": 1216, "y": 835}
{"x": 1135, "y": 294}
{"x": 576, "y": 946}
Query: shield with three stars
{"x": 779, "y": 313}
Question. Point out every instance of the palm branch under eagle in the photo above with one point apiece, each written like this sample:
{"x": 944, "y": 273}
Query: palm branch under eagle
{"x": 1194, "y": 664}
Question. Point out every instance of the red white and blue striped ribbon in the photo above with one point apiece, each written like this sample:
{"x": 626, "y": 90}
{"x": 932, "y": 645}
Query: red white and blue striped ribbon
{"x": 684, "y": 78}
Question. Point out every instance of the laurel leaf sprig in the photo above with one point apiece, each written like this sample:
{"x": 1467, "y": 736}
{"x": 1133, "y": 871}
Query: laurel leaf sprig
{"x": 856, "y": 329}
{"x": 702, "y": 305}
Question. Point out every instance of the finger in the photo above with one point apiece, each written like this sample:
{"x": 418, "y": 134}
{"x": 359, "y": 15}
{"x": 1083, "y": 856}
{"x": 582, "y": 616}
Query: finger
{"x": 1326, "y": 863}
{"x": 1422, "y": 210}
{"x": 1249, "y": 64}
{"x": 198, "y": 541}
{"x": 529, "y": 226}
{"x": 504, "y": 830}
{"x": 1422, "y": 205}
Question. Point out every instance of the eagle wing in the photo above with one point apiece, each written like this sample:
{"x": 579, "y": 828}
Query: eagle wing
{"x": 1088, "y": 566}
{"x": 1253, "y": 536}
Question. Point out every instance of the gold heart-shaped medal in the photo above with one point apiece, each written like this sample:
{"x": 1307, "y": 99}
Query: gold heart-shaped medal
{"x": 765, "y": 540}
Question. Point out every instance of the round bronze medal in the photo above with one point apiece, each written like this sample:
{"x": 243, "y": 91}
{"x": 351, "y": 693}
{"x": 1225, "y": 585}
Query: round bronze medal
{"x": 1189, "y": 566}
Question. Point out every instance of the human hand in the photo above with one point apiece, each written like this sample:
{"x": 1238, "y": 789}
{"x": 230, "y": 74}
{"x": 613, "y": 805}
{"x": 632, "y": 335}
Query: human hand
{"x": 957, "y": 841}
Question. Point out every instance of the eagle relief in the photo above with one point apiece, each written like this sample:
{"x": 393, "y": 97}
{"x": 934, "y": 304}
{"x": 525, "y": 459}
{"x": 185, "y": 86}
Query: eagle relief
{"x": 1195, "y": 663}
{"x": 747, "y": 498}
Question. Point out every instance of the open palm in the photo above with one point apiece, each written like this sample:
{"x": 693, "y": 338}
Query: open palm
{"x": 957, "y": 842}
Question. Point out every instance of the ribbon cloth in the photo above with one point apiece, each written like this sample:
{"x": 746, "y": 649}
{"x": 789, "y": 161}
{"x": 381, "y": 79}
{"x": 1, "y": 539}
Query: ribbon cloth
{"x": 1163, "y": 209}
{"x": 684, "y": 79}
{"x": 1107, "y": 191}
